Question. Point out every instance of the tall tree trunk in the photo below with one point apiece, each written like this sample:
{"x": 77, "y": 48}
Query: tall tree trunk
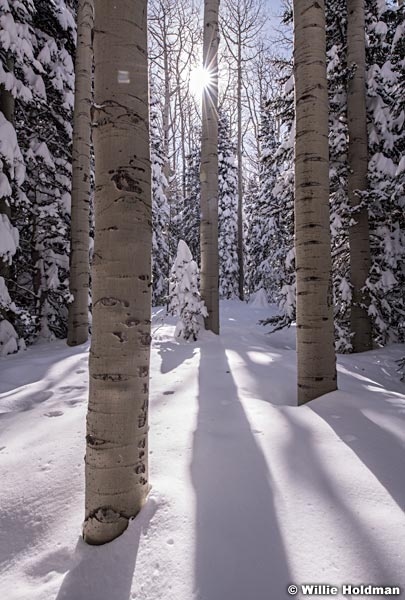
{"x": 117, "y": 423}
{"x": 359, "y": 241}
{"x": 315, "y": 334}
{"x": 78, "y": 323}
{"x": 209, "y": 170}
{"x": 240, "y": 174}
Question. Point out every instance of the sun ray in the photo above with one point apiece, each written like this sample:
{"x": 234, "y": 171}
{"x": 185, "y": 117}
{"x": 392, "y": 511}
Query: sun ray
{"x": 200, "y": 79}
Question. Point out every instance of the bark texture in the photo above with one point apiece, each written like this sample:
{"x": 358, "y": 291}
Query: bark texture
{"x": 78, "y": 323}
{"x": 117, "y": 423}
{"x": 209, "y": 170}
{"x": 315, "y": 334}
{"x": 360, "y": 260}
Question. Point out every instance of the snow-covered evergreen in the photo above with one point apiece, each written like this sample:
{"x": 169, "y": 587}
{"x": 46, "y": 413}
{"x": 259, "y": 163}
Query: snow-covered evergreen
{"x": 271, "y": 232}
{"x": 386, "y": 197}
{"x": 160, "y": 213}
{"x": 46, "y": 146}
{"x": 227, "y": 212}
{"x": 190, "y": 217}
{"x": 184, "y": 297}
{"x": 20, "y": 80}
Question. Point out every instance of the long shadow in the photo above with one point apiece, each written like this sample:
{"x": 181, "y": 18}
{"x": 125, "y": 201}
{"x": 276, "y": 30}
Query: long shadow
{"x": 106, "y": 572}
{"x": 309, "y": 474}
{"x": 23, "y": 400}
{"x": 14, "y": 367}
{"x": 240, "y": 553}
{"x": 381, "y": 451}
{"x": 281, "y": 371}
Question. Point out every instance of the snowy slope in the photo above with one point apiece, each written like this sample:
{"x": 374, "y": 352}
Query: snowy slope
{"x": 250, "y": 493}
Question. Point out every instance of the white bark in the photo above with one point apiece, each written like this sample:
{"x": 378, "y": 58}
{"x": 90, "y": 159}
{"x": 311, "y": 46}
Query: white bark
{"x": 78, "y": 324}
{"x": 209, "y": 170}
{"x": 117, "y": 424}
{"x": 315, "y": 335}
{"x": 360, "y": 260}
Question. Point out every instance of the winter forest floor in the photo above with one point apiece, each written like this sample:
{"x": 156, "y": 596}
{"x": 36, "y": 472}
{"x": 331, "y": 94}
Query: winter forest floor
{"x": 249, "y": 492}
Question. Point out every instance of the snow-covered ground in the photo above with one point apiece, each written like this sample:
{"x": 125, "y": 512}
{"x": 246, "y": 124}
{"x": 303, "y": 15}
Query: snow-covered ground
{"x": 249, "y": 492}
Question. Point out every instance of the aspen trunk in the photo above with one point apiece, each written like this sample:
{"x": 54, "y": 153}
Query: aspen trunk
{"x": 240, "y": 176}
{"x": 209, "y": 170}
{"x": 78, "y": 323}
{"x": 117, "y": 424}
{"x": 359, "y": 241}
{"x": 315, "y": 334}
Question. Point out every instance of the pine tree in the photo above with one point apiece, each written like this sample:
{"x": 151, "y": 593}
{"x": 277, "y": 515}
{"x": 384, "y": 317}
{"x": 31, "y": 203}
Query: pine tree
{"x": 274, "y": 214}
{"x": 227, "y": 212}
{"x": 386, "y": 197}
{"x": 46, "y": 146}
{"x": 190, "y": 216}
{"x": 184, "y": 297}
{"x": 20, "y": 81}
{"x": 160, "y": 214}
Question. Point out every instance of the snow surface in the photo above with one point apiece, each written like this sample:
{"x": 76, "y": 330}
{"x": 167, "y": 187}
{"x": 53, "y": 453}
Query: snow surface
{"x": 249, "y": 492}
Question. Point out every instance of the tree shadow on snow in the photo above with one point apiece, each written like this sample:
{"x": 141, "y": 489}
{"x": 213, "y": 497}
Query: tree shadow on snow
{"x": 273, "y": 381}
{"x": 106, "y": 572}
{"x": 32, "y": 365}
{"x": 339, "y": 525}
{"x": 380, "y": 450}
{"x": 239, "y": 548}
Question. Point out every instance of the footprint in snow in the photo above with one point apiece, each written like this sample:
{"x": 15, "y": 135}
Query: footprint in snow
{"x": 54, "y": 413}
{"x": 45, "y": 468}
{"x": 29, "y": 403}
{"x": 73, "y": 402}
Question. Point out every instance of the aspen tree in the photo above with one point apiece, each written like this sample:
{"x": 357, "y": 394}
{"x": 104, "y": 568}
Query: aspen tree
{"x": 78, "y": 324}
{"x": 359, "y": 238}
{"x": 315, "y": 335}
{"x": 209, "y": 170}
{"x": 117, "y": 424}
